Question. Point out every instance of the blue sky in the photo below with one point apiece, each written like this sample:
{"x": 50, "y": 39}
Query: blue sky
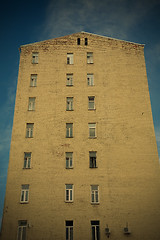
{"x": 23, "y": 22}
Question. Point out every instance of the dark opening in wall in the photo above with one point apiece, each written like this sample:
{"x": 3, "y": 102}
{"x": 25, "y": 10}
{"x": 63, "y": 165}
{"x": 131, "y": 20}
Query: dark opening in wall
{"x": 78, "y": 41}
{"x": 86, "y": 41}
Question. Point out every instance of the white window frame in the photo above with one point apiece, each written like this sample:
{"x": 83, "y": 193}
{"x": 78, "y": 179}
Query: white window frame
{"x": 22, "y": 230}
{"x": 69, "y": 79}
{"x": 92, "y": 126}
{"x": 94, "y": 194}
{"x": 33, "y": 82}
{"x": 69, "y": 193}
{"x": 69, "y": 160}
{"x": 69, "y": 104}
{"x": 89, "y": 57}
{"x": 35, "y": 57}
{"x": 69, "y": 230}
{"x": 90, "y": 79}
{"x": 69, "y": 130}
{"x": 95, "y": 227}
{"x": 93, "y": 159}
{"x": 29, "y": 130}
{"x": 27, "y": 160}
{"x": 91, "y": 103}
{"x": 31, "y": 104}
{"x": 69, "y": 58}
{"x": 24, "y": 193}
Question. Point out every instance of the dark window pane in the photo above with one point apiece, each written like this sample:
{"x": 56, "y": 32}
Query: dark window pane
{"x": 93, "y": 233}
{"x": 69, "y": 223}
{"x": 78, "y": 41}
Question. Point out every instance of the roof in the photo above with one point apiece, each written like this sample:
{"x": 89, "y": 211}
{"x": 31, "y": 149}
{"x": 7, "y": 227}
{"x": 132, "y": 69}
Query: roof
{"x": 84, "y": 33}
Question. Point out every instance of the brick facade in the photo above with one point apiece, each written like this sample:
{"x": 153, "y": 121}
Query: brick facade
{"x": 127, "y": 171}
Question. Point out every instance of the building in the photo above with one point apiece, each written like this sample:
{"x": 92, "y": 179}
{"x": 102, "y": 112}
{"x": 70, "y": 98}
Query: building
{"x": 83, "y": 159}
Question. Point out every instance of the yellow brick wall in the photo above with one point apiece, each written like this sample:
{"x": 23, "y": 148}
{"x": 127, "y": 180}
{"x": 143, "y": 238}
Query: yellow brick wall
{"x": 127, "y": 158}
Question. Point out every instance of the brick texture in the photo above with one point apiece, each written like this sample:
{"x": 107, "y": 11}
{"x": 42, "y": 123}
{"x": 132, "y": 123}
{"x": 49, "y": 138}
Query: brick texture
{"x": 127, "y": 160}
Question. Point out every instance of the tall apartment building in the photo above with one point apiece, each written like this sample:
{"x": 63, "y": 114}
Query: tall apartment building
{"x": 83, "y": 159}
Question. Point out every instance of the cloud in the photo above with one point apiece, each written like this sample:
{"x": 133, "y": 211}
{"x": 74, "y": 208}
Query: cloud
{"x": 107, "y": 17}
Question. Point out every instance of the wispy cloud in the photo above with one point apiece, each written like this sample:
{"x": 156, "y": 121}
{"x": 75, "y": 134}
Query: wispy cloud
{"x": 108, "y": 17}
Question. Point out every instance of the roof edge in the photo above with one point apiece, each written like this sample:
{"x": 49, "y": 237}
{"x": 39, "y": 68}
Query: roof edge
{"x": 85, "y": 33}
{"x": 112, "y": 38}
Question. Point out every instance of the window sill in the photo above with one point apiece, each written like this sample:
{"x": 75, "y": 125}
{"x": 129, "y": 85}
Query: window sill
{"x": 93, "y": 167}
{"x": 69, "y": 85}
{"x": 90, "y": 63}
{"x": 31, "y": 110}
{"x": 92, "y": 137}
{"x": 69, "y": 168}
{"x": 69, "y": 110}
{"x": 94, "y": 203}
{"x": 29, "y": 137}
{"x": 69, "y": 137}
{"x": 68, "y": 201}
{"x": 26, "y": 168}
{"x": 91, "y": 109}
{"x": 24, "y": 202}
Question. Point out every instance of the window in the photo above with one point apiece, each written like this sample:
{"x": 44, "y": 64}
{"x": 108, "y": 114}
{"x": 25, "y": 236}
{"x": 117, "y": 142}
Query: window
{"x": 78, "y": 41}
{"x": 86, "y": 41}
{"x": 69, "y": 193}
{"x": 90, "y": 79}
{"x": 69, "y": 160}
{"x": 69, "y": 130}
{"x": 92, "y": 130}
{"x": 69, "y": 106}
{"x": 69, "y": 80}
{"x": 27, "y": 160}
{"x": 92, "y": 160}
{"x": 91, "y": 103}
{"x": 31, "y": 105}
{"x": 94, "y": 194}
{"x": 33, "y": 82}
{"x": 69, "y": 58}
{"x": 22, "y": 228}
{"x": 29, "y": 130}
{"x": 95, "y": 230}
{"x": 34, "y": 57}
{"x": 69, "y": 230}
{"x": 89, "y": 57}
{"x": 24, "y": 193}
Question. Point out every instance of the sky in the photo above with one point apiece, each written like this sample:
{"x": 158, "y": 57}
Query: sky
{"x": 24, "y": 22}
